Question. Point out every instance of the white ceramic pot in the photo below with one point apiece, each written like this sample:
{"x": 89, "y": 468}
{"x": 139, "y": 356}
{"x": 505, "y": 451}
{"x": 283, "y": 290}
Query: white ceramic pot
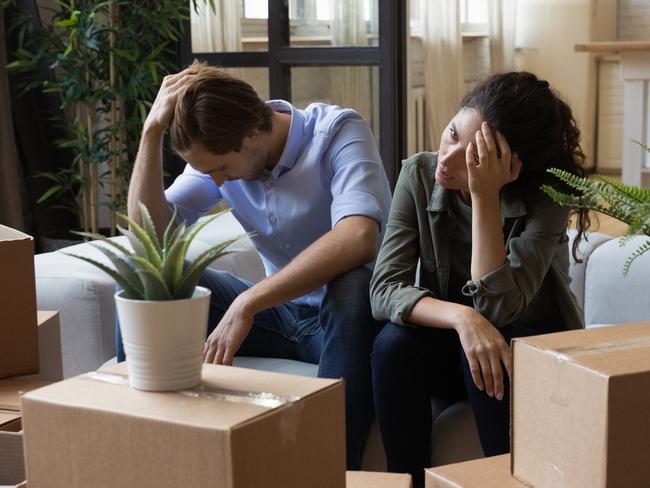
{"x": 163, "y": 340}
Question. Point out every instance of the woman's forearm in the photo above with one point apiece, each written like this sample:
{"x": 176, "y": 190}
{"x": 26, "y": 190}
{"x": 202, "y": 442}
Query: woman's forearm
{"x": 488, "y": 247}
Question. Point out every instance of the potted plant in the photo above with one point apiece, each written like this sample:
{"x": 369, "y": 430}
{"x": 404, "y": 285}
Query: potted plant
{"x": 163, "y": 313}
{"x": 629, "y": 204}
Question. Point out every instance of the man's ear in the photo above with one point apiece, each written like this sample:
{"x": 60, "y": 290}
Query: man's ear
{"x": 253, "y": 135}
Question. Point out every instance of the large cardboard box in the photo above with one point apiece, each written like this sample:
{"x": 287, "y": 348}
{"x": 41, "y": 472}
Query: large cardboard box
{"x": 241, "y": 428}
{"x": 18, "y": 333}
{"x": 12, "y": 464}
{"x": 581, "y": 408}
{"x": 365, "y": 479}
{"x": 492, "y": 472}
{"x": 49, "y": 347}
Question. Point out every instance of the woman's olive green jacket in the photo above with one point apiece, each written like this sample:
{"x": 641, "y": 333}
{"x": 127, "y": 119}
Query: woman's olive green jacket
{"x": 420, "y": 227}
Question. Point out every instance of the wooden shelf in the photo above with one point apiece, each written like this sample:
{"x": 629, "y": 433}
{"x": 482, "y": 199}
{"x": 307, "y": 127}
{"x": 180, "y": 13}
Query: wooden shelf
{"x": 614, "y": 46}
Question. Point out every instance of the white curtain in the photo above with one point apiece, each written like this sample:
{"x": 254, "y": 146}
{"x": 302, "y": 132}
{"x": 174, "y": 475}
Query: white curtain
{"x": 443, "y": 64}
{"x": 502, "y": 34}
{"x": 350, "y": 85}
{"x": 217, "y": 30}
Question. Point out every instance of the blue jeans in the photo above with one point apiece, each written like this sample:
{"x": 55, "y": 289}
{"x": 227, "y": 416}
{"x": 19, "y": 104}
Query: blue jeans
{"x": 411, "y": 365}
{"x": 337, "y": 336}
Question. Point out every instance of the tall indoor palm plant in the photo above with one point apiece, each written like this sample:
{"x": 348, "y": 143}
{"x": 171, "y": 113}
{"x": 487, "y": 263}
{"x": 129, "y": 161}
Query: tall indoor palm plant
{"x": 105, "y": 61}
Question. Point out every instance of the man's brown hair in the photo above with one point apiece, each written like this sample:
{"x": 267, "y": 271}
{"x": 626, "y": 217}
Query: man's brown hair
{"x": 217, "y": 111}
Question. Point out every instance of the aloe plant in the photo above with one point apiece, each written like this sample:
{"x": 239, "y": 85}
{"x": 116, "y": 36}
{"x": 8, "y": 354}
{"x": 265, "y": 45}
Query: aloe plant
{"x": 629, "y": 204}
{"x": 155, "y": 270}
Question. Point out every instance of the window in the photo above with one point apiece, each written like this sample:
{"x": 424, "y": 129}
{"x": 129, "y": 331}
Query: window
{"x": 474, "y": 17}
{"x": 256, "y": 9}
{"x": 293, "y": 49}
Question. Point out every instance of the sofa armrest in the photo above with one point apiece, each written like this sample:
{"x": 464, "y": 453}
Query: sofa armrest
{"x": 611, "y": 297}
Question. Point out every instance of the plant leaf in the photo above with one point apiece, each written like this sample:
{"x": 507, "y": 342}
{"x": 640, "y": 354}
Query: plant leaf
{"x": 144, "y": 238}
{"x": 149, "y": 227}
{"x": 128, "y": 290}
{"x": 124, "y": 269}
{"x": 154, "y": 286}
{"x": 196, "y": 269}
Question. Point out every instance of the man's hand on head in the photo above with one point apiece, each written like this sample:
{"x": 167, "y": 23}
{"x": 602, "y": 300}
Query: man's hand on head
{"x": 229, "y": 335}
{"x": 162, "y": 110}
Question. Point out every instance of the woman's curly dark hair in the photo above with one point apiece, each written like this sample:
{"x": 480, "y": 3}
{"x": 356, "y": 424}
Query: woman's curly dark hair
{"x": 540, "y": 128}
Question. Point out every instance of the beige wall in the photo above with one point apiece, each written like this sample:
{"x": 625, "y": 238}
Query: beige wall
{"x": 559, "y": 25}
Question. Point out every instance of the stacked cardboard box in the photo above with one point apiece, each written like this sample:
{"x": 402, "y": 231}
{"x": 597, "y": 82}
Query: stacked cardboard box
{"x": 241, "y": 428}
{"x": 580, "y": 415}
{"x": 18, "y": 331}
{"x": 30, "y": 347}
{"x": 12, "y": 465}
{"x": 581, "y": 408}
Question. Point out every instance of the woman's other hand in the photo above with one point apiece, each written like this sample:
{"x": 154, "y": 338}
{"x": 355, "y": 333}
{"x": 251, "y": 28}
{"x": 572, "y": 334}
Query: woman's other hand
{"x": 486, "y": 351}
{"x": 490, "y": 164}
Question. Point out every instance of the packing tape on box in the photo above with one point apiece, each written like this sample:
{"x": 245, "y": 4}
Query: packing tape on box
{"x": 263, "y": 399}
{"x": 289, "y": 417}
{"x": 569, "y": 353}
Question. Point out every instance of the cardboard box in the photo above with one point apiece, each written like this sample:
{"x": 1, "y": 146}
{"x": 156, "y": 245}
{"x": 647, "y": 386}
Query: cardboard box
{"x": 18, "y": 333}
{"x": 581, "y": 408}
{"x": 492, "y": 472}
{"x": 12, "y": 464}
{"x": 49, "y": 347}
{"x": 241, "y": 428}
{"x": 365, "y": 479}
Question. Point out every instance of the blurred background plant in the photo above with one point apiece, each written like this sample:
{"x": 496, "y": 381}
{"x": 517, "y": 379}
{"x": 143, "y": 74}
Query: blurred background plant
{"x": 104, "y": 60}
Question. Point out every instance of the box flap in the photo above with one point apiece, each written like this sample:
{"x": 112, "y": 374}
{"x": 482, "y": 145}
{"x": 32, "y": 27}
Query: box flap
{"x": 7, "y": 416}
{"x": 613, "y": 350}
{"x": 364, "y": 479}
{"x": 492, "y": 472}
{"x": 221, "y": 402}
{"x": 11, "y": 390}
{"x": 9, "y": 234}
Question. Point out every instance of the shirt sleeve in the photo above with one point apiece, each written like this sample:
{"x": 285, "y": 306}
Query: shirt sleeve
{"x": 193, "y": 193}
{"x": 393, "y": 293}
{"x": 359, "y": 184}
{"x": 503, "y": 295}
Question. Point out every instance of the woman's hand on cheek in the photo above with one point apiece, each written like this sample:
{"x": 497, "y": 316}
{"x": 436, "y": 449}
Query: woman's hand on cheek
{"x": 486, "y": 172}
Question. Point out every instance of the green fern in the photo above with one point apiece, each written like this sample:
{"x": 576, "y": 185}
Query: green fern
{"x": 629, "y": 204}
{"x": 154, "y": 270}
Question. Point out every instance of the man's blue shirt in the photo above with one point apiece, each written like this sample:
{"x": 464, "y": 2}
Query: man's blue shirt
{"x": 330, "y": 169}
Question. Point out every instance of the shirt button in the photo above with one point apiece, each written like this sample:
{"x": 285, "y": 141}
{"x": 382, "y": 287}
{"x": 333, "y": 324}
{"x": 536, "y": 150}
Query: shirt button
{"x": 268, "y": 184}
{"x": 287, "y": 245}
{"x": 272, "y": 219}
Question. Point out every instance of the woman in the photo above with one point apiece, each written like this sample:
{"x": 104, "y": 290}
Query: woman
{"x": 493, "y": 264}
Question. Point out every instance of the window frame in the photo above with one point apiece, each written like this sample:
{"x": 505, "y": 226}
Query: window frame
{"x": 389, "y": 56}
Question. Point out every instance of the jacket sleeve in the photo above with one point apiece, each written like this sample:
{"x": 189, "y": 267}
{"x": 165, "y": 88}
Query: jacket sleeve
{"x": 393, "y": 293}
{"x": 502, "y": 295}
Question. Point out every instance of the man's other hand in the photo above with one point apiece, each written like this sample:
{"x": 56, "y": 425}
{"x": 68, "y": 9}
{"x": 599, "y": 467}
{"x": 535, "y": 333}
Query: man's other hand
{"x": 229, "y": 335}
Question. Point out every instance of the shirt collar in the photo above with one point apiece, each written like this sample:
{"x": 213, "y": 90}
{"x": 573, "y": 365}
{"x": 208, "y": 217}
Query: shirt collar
{"x": 512, "y": 202}
{"x": 293, "y": 144}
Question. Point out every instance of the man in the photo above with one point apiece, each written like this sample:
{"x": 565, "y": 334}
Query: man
{"x": 311, "y": 187}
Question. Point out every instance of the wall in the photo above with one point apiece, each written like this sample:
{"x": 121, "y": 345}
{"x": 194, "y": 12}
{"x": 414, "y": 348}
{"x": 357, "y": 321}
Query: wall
{"x": 559, "y": 25}
{"x": 633, "y": 20}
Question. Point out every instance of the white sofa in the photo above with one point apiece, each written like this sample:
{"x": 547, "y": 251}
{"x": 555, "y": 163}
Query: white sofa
{"x": 84, "y": 297}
